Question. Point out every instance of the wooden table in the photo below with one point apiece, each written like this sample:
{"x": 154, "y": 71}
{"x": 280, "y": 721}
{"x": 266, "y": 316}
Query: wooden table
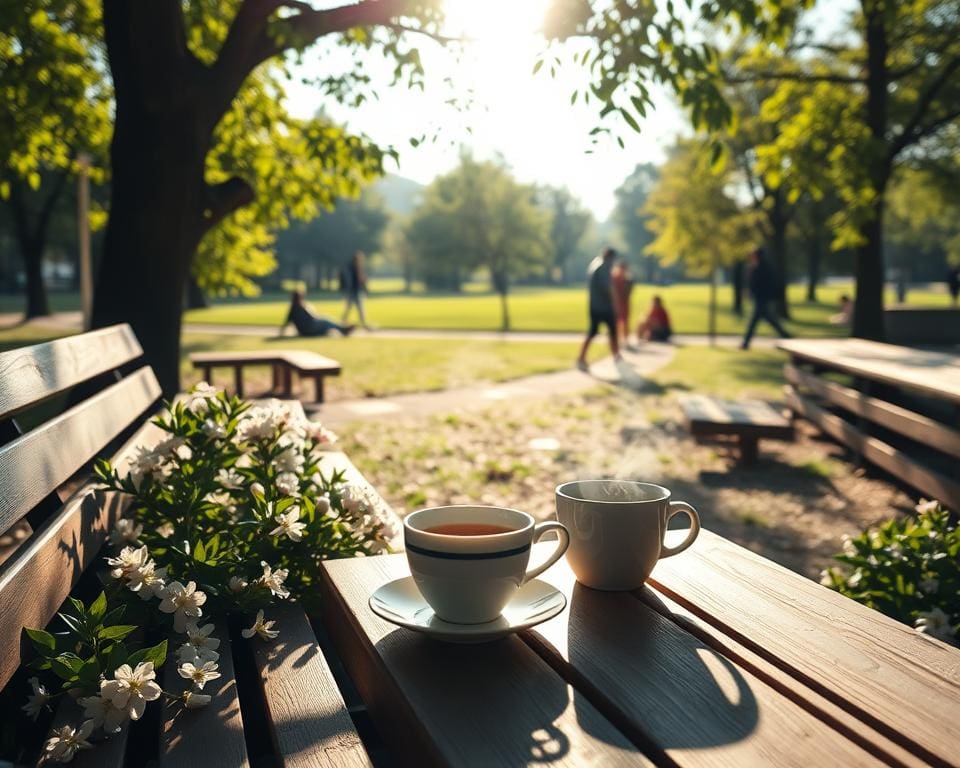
{"x": 282, "y": 362}
{"x": 747, "y": 421}
{"x": 900, "y": 412}
{"x": 725, "y": 659}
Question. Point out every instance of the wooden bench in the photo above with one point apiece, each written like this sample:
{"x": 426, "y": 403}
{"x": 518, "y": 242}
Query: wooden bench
{"x": 892, "y": 406}
{"x": 283, "y": 362}
{"x": 747, "y": 421}
{"x": 276, "y": 704}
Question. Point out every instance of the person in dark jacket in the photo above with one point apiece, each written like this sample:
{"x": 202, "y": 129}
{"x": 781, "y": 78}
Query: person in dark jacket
{"x": 354, "y": 286}
{"x": 764, "y": 285}
{"x": 309, "y": 324}
{"x": 603, "y": 305}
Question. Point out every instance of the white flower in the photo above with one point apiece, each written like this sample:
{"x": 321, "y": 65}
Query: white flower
{"x": 848, "y": 547}
{"x": 187, "y": 652}
{"x": 65, "y": 742}
{"x": 323, "y": 505}
{"x": 263, "y": 422}
{"x": 147, "y": 464}
{"x": 290, "y": 459}
{"x": 103, "y": 713}
{"x": 199, "y": 676}
{"x": 314, "y": 430}
{"x": 194, "y": 700}
{"x": 230, "y": 479}
{"x": 261, "y": 627}
{"x": 197, "y": 399}
{"x": 935, "y": 623}
{"x": 930, "y": 586}
{"x": 131, "y": 689}
{"x": 174, "y": 446}
{"x": 212, "y": 428}
{"x": 148, "y": 580}
{"x": 166, "y": 530}
{"x": 257, "y": 491}
{"x": 220, "y": 498}
{"x": 925, "y": 507}
{"x": 353, "y": 499}
{"x": 288, "y": 484}
{"x": 200, "y": 639}
{"x": 826, "y": 578}
{"x": 288, "y": 524}
{"x": 37, "y": 700}
{"x": 273, "y": 580}
{"x": 130, "y": 559}
{"x": 183, "y": 602}
{"x": 237, "y": 584}
{"x": 125, "y": 531}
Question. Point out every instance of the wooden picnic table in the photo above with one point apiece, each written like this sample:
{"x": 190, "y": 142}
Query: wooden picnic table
{"x": 724, "y": 659}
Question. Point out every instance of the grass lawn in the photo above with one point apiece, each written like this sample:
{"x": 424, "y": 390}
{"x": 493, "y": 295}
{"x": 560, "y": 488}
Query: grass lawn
{"x": 545, "y": 309}
{"x": 725, "y": 372}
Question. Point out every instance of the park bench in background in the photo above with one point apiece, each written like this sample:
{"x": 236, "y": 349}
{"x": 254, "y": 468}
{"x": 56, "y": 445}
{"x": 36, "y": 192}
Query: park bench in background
{"x": 895, "y": 407}
{"x": 286, "y": 705}
{"x": 747, "y": 421}
{"x": 283, "y": 362}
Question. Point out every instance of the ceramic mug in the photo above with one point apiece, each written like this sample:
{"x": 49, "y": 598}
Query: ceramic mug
{"x": 617, "y": 529}
{"x": 469, "y": 579}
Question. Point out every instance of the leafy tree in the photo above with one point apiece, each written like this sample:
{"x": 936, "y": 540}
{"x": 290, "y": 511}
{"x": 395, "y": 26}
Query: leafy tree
{"x": 55, "y": 105}
{"x": 315, "y": 251}
{"x": 569, "y": 223}
{"x": 479, "y": 216}
{"x": 178, "y": 69}
{"x": 696, "y": 220}
{"x": 631, "y": 199}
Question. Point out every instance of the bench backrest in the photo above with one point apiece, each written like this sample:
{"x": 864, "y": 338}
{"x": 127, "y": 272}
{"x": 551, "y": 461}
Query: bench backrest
{"x": 48, "y": 535}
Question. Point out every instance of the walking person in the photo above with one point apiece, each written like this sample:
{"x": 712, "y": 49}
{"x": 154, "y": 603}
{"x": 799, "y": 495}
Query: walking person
{"x": 354, "y": 285}
{"x": 764, "y": 285}
{"x": 622, "y": 287}
{"x": 602, "y": 305}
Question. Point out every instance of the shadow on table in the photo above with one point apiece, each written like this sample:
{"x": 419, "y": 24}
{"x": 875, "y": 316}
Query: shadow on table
{"x": 658, "y": 683}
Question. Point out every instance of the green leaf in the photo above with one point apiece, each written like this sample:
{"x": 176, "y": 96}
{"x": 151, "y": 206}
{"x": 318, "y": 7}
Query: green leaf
{"x": 116, "y": 632}
{"x": 66, "y": 665}
{"x": 44, "y": 642}
{"x": 113, "y": 616}
{"x": 537, "y": 66}
{"x": 116, "y": 655}
{"x": 199, "y": 552}
{"x": 157, "y": 654}
{"x": 72, "y": 622}
{"x": 630, "y": 119}
{"x": 98, "y": 608}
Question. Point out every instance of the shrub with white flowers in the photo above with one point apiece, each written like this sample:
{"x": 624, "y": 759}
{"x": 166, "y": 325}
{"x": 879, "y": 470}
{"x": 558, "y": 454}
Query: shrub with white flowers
{"x": 907, "y": 568}
{"x": 229, "y": 513}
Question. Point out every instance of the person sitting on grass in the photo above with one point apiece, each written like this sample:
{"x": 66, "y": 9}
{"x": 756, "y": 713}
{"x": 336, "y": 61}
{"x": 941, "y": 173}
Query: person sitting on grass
{"x": 309, "y": 324}
{"x": 657, "y": 325}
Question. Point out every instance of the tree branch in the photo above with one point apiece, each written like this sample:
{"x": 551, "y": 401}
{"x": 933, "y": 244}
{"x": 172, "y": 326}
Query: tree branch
{"x": 223, "y": 199}
{"x": 910, "y": 133}
{"x": 798, "y": 77}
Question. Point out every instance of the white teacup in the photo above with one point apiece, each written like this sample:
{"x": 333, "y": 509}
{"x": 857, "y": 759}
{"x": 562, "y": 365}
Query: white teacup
{"x": 468, "y": 575}
{"x": 617, "y": 528}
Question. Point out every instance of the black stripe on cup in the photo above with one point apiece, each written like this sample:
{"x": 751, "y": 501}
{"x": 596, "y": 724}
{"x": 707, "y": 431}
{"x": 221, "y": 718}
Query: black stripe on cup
{"x": 468, "y": 555}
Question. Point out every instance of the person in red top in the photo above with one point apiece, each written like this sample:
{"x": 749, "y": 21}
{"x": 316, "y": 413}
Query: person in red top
{"x": 657, "y": 325}
{"x": 622, "y": 286}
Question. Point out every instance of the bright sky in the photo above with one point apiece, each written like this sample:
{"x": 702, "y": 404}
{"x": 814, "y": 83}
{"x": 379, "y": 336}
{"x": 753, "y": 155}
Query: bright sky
{"x": 527, "y": 119}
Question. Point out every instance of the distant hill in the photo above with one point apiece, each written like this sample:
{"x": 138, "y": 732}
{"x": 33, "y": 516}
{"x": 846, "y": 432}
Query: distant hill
{"x": 400, "y": 195}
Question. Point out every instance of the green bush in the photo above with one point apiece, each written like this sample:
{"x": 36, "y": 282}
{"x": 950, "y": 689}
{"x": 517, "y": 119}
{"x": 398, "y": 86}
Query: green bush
{"x": 907, "y": 568}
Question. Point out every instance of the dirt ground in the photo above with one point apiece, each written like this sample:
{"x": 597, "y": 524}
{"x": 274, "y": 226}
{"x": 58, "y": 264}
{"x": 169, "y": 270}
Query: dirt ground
{"x": 793, "y": 506}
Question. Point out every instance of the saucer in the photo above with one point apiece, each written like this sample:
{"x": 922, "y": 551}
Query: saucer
{"x": 401, "y": 603}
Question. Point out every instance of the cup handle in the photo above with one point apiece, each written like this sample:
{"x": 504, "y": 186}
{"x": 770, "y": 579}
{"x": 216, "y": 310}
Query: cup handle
{"x": 538, "y": 531}
{"x": 675, "y": 508}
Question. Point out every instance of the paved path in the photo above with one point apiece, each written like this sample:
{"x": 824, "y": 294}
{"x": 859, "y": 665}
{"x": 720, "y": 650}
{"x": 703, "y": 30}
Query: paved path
{"x": 630, "y": 372}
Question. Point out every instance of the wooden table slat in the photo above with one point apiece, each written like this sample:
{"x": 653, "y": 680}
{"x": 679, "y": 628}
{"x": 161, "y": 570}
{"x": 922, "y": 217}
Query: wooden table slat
{"x": 310, "y": 722}
{"x": 898, "y": 681}
{"x": 473, "y": 705}
{"x": 106, "y": 752}
{"x": 699, "y": 706}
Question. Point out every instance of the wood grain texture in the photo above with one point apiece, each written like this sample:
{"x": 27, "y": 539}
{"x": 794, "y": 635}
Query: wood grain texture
{"x": 211, "y": 736}
{"x": 38, "y": 578}
{"x": 897, "y": 462}
{"x": 896, "y": 680}
{"x": 710, "y": 416}
{"x": 661, "y": 684}
{"x": 33, "y": 374}
{"x": 936, "y": 374}
{"x": 106, "y": 753}
{"x": 464, "y": 705}
{"x": 311, "y": 362}
{"x": 913, "y": 425}
{"x": 34, "y": 464}
{"x": 309, "y": 721}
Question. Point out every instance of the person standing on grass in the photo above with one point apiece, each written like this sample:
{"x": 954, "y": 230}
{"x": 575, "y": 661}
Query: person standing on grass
{"x": 603, "y": 305}
{"x": 764, "y": 286}
{"x": 354, "y": 286}
{"x": 622, "y": 287}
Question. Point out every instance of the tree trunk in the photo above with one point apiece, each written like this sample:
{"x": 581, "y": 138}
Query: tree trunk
{"x": 778, "y": 251}
{"x": 196, "y": 298}
{"x": 814, "y": 256}
{"x": 713, "y": 306}
{"x": 736, "y": 282}
{"x": 37, "y": 304}
{"x": 868, "y": 320}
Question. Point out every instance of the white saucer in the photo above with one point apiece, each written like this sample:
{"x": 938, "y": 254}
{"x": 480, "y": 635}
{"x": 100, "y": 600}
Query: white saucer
{"x": 401, "y": 603}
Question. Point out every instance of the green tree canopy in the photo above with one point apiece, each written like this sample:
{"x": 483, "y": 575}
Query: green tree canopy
{"x": 632, "y": 221}
{"x": 569, "y": 224}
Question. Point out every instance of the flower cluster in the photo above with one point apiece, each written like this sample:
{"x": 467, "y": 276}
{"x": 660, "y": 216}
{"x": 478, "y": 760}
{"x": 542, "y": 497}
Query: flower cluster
{"x": 229, "y": 513}
{"x": 908, "y": 569}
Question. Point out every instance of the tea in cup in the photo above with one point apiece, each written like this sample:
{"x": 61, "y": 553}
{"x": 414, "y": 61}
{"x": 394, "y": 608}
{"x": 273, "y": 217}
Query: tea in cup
{"x": 469, "y": 561}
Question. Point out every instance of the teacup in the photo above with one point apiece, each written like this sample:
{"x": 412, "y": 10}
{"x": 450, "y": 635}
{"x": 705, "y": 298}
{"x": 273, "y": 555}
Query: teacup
{"x": 617, "y": 529}
{"x": 469, "y": 561}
